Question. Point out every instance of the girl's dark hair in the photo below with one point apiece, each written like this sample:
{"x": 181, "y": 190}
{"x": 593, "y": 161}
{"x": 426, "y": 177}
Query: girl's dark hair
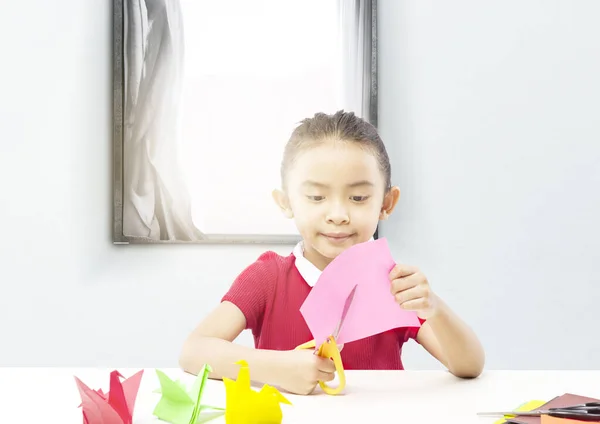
{"x": 343, "y": 126}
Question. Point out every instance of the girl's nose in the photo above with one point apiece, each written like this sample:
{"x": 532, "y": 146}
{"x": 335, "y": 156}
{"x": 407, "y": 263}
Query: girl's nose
{"x": 338, "y": 215}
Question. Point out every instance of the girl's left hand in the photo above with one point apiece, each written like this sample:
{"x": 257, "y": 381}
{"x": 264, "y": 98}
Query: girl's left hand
{"x": 412, "y": 291}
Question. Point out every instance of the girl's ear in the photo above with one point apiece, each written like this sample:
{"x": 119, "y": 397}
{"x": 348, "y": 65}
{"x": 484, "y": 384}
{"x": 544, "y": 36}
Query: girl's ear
{"x": 389, "y": 203}
{"x": 283, "y": 202}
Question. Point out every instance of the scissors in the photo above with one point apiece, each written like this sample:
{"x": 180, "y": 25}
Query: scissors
{"x": 330, "y": 349}
{"x": 589, "y": 411}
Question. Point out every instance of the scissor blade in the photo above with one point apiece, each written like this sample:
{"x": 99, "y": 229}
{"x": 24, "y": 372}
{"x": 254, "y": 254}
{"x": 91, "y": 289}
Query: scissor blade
{"x": 515, "y": 413}
{"x": 577, "y": 414}
{"x": 347, "y": 304}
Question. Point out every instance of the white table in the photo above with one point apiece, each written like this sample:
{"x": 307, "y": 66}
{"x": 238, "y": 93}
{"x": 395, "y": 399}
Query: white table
{"x": 49, "y": 395}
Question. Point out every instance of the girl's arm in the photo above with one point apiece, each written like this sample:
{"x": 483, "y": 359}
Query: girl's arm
{"x": 447, "y": 338}
{"x": 211, "y": 342}
{"x": 444, "y": 335}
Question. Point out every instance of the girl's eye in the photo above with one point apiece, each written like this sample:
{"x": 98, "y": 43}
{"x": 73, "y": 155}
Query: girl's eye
{"x": 359, "y": 198}
{"x": 316, "y": 198}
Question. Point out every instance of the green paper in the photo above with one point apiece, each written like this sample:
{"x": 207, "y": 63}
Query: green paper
{"x": 177, "y": 405}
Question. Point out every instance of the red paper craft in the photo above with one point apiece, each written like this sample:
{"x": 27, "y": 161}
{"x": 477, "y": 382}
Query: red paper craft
{"x": 114, "y": 407}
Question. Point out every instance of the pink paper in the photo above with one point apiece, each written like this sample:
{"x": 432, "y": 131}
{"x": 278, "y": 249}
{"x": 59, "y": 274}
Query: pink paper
{"x": 374, "y": 309}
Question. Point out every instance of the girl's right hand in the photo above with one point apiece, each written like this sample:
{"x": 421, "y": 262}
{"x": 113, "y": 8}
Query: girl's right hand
{"x": 301, "y": 370}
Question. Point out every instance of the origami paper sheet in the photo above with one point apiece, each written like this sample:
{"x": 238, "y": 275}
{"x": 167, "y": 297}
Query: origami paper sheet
{"x": 374, "y": 310}
{"x": 528, "y": 406}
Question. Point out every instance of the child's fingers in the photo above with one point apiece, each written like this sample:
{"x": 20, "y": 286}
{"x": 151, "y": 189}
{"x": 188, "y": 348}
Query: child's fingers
{"x": 413, "y": 293}
{"x": 415, "y": 304}
{"x": 325, "y": 376}
{"x": 405, "y": 283}
{"x": 401, "y": 270}
{"x": 325, "y": 365}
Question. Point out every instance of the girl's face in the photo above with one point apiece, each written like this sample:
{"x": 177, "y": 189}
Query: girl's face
{"x": 336, "y": 195}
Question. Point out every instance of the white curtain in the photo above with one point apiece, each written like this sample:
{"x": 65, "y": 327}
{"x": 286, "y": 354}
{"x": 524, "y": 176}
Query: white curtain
{"x": 357, "y": 41}
{"x": 358, "y": 66}
{"x": 156, "y": 204}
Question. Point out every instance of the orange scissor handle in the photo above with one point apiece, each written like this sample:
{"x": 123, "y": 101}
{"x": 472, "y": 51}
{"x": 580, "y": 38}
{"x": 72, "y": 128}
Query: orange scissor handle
{"x": 329, "y": 349}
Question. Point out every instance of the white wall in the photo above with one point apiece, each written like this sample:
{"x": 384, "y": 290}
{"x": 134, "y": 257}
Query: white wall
{"x": 492, "y": 114}
{"x": 69, "y": 297}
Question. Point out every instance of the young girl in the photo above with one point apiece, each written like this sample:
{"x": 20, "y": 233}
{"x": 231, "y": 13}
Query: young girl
{"x": 336, "y": 185}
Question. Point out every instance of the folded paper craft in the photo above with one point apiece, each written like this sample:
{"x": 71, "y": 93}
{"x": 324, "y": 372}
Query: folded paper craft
{"x": 374, "y": 310}
{"x": 247, "y": 406}
{"x": 114, "y": 407}
{"x": 177, "y": 405}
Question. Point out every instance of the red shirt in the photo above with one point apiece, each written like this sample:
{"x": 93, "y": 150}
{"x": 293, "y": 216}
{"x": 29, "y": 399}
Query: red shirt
{"x": 270, "y": 292}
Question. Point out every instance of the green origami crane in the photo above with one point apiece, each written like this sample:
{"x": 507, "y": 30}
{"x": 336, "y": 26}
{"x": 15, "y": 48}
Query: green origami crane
{"x": 177, "y": 405}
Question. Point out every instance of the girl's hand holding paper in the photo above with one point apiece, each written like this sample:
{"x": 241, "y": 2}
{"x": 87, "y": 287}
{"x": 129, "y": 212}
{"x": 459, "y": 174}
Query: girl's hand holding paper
{"x": 412, "y": 291}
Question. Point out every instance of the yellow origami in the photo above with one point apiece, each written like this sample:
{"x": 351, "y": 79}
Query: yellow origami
{"x": 243, "y": 405}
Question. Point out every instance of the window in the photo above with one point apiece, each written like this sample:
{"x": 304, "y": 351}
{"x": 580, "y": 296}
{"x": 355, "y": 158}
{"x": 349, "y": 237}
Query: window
{"x": 252, "y": 71}
{"x": 206, "y": 96}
